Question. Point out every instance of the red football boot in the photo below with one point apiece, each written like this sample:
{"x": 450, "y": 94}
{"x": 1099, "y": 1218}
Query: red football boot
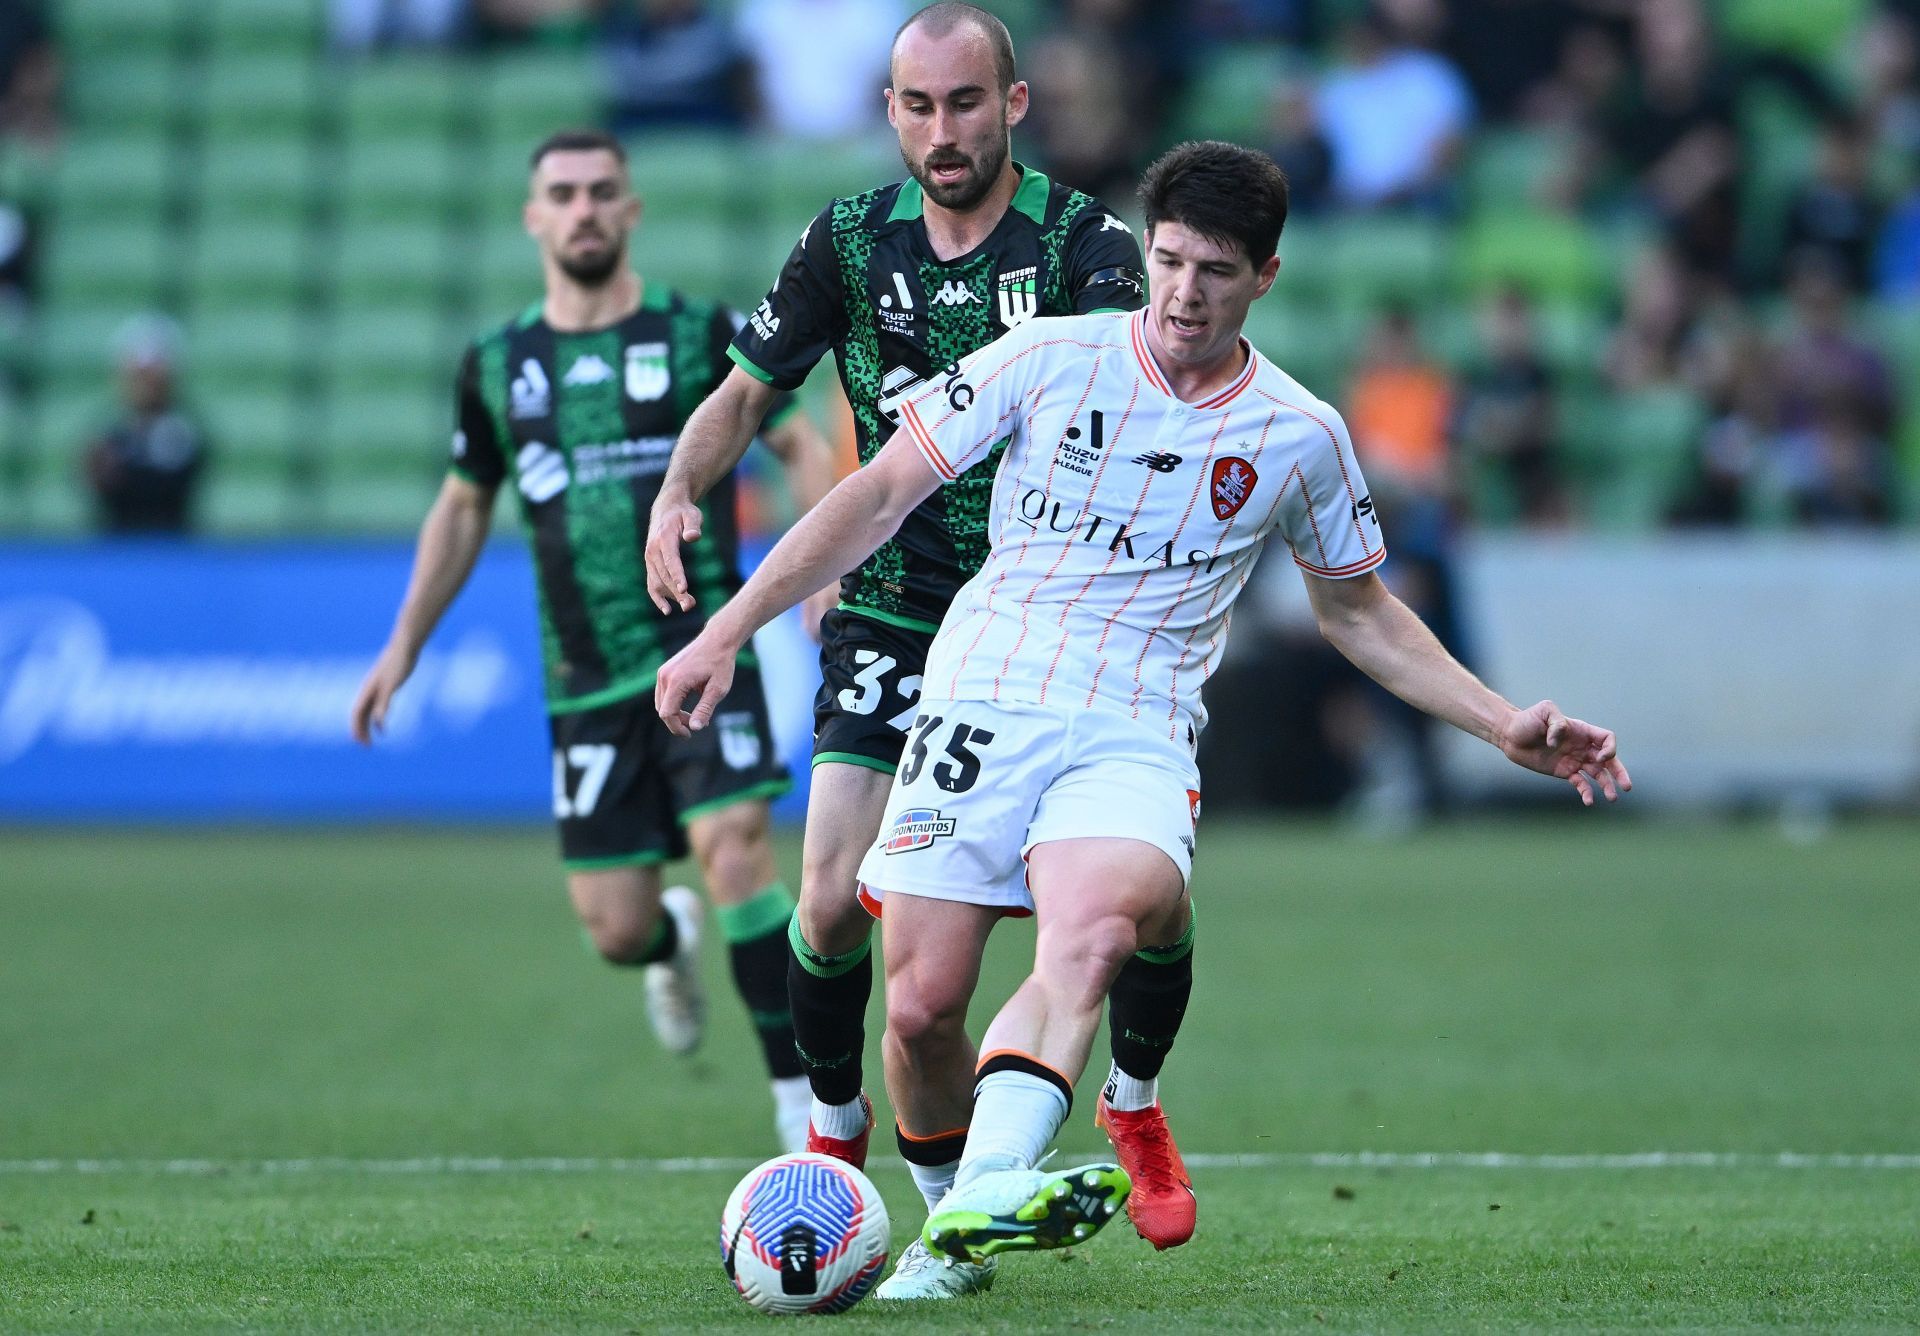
{"x": 1162, "y": 1206}
{"x": 854, "y": 1149}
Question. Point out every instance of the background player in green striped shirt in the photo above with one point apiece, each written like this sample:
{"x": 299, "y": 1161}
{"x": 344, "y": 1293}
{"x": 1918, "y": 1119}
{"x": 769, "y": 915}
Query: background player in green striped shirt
{"x": 899, "y": 283}
{"x": 577, "y": 403}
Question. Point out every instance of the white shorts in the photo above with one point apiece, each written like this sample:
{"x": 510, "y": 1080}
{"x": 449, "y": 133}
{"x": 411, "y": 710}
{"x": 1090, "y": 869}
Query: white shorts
{"x": 980, "y": 784}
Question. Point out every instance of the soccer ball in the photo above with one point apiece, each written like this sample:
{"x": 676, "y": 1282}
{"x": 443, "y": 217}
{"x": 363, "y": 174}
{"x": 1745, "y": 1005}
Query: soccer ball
{"x": 804, "y": 1234}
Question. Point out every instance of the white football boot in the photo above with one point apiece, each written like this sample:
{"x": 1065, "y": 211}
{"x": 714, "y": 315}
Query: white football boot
{"x": 676, "y": 1003}
{"x": 792, "y": 1110}
{"x": 921, "y": 1274}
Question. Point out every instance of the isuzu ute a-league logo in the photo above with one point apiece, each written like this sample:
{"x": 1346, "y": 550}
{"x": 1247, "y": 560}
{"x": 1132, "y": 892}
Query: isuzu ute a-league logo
{"x": 1233, "y": 483}
{"x": 1019, "y": 291}
{"x": 531, "y": 392}
{"x": 916, "y": 828}
{"x": 647, "y": 374}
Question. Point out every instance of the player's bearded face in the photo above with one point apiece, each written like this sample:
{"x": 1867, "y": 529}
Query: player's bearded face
{"x": 593, "y": 254}
{"x": 958, "y": 177}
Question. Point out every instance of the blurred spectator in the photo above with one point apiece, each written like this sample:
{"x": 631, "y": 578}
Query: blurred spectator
{"x": 1837, "y": 469}
{"x": 1300, "y": 150}
{"x": 1674, "y": 132}
{"x": 820, "y": 64}
{"x": 16, "y": 261}
{"x": 1507, "y": 414}
{"x": 1509, "y": 51}
{"x": 1395, "y": 117}
{"x": 29, "y": 73}
{"x": 1102, "y": 80}
{"x": 1888, "y": 60}
{"x": 1835, "y": 214}
{"x": 675, "y": 63}
{"x": 1826, "y": 374}
{"x": 363, "y": 25}
{"x": 144, "y": 468}
{"x": 1292, "y": 21}
{"x": 559, "y": 22}
{"x": 1399, "y": 410}
{"x": 1896, "y": 263}
{"x": 1739, "y": 460}
{"x": 1659, "y": 312}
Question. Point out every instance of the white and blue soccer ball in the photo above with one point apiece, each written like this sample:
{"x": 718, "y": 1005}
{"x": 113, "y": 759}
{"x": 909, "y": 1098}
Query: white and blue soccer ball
{"x": 804, "y": 1234}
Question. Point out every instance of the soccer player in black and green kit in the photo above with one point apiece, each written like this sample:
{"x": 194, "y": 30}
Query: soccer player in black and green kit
{"x": 576, "y": 404}
{"x": 899, "y": 283}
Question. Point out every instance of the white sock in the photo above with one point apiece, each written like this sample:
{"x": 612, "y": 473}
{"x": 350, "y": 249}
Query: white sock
{"x": 792, "y": 1103}
{"x": 1129, "y": 1094}
{"x": 842, "y": 1122}
{"x": 935, "y": 1181}
{"x": 1015, "y": 1117}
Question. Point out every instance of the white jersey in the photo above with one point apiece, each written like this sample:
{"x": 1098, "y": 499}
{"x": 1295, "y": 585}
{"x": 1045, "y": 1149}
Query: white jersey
{"x": 1125, "y": 522}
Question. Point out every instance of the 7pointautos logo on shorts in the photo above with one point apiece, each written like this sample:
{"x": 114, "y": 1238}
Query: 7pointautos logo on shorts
{"x": 916, "y": 828}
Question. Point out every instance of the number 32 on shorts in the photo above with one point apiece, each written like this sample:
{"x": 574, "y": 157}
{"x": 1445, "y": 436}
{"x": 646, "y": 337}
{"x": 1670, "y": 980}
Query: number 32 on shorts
{"x": 870, "y": 679}
{"x": 959, "y": 769}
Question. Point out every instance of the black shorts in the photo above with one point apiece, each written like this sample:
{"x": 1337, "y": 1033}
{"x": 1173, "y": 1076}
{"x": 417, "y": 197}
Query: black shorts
{"x": 624, "y": 788}
{"x": 869, "y": 689}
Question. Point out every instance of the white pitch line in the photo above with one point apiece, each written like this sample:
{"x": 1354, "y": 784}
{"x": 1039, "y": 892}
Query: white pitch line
{"x": 478, "y": 1165}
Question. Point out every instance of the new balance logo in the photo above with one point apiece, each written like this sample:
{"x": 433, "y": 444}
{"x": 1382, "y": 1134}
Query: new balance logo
{"x": 1159, "y": 461}
{"x": 588, "y": 369}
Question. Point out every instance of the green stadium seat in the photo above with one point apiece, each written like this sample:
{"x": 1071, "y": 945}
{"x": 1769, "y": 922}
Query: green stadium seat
{"x": 1232, "y": 94}
{"x": 394, "y": 262}
{"x": 409, "y": 178}
{"x": 268, "y": 180}
{"x": 1506, "y": 167}
{"x": 118, "y": 176}
{"x": 91, "y": 28}
{"x": 1370, "y": 260}
{"x": 93, "y": 259}
{"x": 253, "y": 424}
{"x": 699, "y": 257}
{"x": 236, "y": 263}
{"x": 237, "y": 501}
{"x": 408, "y": 348}
{"x": 506, "y": 274}
{"x": 244, "y": 27}
{"x": 258, "y": 97}
{"x": 1550, "y": 255}
{"x": 533, "y": 93}
{"x": 402, "y": 96}
{"x": 1636, "y": 450}
{"x": 73, "y": 347}
{"x": 394, "y": 428}
{"x": 1814, "y": 29}
{"x": 388, "y": 499}
{"x": 123, "y": 93}
{"x": 246, "y": 348}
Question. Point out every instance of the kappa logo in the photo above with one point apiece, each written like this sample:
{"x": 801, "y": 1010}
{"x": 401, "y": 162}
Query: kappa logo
{"x": 954, "y": 293}
{"x": 647, "y": 374}
{"x": 1019, "y": 292}
{"x": 531, "y": 392}
{"x": 916, "y": 828}
{"x": 1233, "y": 482}
{"x": 1112, "y": 224}
{"x": 588, "y": 369}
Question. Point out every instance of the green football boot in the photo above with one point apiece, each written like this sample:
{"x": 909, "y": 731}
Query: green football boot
{"x": 1025, "y": 1208}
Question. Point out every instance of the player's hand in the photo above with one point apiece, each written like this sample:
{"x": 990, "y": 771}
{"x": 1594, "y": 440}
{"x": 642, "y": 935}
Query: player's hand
{"x": 389, "y": 672}
{"x": 817, "y": 606}
{"x": 1543, "y": 739}
{"x": 673, "y": 522}
{"x": 701, "y": 673}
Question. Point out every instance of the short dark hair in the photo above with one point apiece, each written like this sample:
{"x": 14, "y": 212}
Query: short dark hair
{"x": 1222, "y": 191}
{"x": 943, "y": 18}
{"x": 577, "y": 141}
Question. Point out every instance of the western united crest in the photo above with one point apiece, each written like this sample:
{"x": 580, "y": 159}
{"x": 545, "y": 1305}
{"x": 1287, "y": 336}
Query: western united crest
{"x": 739, "y": 740}
{"x": 1019, "y": 292}
{"x": 647, "y": 374}
{"x": 1233, "y": 482}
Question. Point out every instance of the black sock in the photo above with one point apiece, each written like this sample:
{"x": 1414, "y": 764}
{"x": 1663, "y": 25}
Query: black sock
{"x": 829, "y": 999}
{"x": 1146, "y": 1004}
{"x": 756, "y": 933}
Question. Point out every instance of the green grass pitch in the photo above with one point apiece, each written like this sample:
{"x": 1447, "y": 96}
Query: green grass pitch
{"x": 315, "y": 1018}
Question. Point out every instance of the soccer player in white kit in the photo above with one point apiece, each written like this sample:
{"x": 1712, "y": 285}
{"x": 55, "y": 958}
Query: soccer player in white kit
{"x": 1150, "y": 457}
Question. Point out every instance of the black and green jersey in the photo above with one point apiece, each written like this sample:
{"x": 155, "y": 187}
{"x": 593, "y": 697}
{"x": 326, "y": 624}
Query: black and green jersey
{"x": 583, "y": 424}
{"x": 864, "y": 281}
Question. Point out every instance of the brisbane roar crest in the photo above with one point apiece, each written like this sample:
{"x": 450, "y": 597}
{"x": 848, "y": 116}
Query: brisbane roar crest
{"x": 1233, "y": 483}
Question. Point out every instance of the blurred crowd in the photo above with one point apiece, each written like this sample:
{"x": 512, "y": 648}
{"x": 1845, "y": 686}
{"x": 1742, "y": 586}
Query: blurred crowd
{"x": 1751, "y": 190}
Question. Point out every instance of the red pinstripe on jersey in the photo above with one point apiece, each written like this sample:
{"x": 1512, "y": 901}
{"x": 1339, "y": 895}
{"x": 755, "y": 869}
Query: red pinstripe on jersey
{"x": 1202, "y": 482}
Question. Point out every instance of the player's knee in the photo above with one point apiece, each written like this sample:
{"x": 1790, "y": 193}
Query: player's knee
{"x": 921, "y": 1012}
{"x": 622, "y": 939}
{"x": 1082, "y": 961}
{"x": 734, "y": 853}
{"x": 832, "y": 920}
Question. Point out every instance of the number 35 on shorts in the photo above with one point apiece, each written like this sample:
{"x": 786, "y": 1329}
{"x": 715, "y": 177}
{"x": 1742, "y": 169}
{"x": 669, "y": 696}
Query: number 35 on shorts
{"x": 958, "y": 766}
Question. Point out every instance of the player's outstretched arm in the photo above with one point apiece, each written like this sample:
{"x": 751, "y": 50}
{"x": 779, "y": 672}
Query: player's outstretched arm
{"x": 450, "y": 541}
{"x": 858, "y": 515}
{"x": 808, "y": 457}
{"x": 1385, "y": 640}
{"x": 715, "y": 437}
